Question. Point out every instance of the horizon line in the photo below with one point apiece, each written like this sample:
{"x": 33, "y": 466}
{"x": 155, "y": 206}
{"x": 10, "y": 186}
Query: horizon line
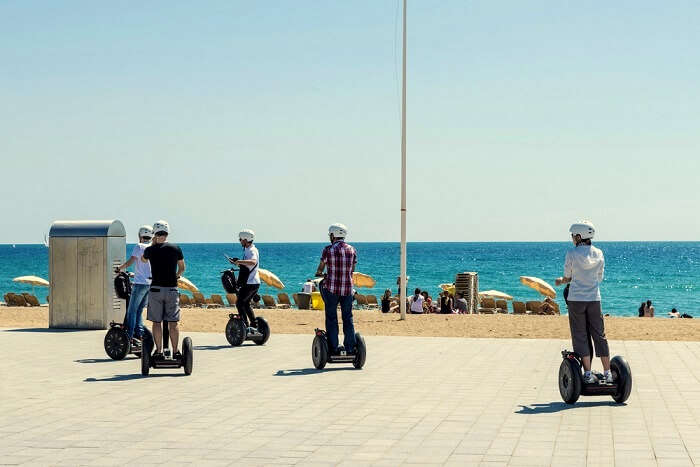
{"x": 416, "y": 241}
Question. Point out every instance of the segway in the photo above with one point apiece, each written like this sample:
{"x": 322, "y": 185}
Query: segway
{"x": 571, "y": 384}
{"x": 320, "y": 353}
{"x": 167, "y": 360}
{"x": 116, "y": 341}
{"x": 236, "y": 330}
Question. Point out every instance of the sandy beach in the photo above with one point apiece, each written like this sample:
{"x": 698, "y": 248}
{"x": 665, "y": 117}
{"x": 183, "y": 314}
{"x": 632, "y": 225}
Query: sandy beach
{"x": 374, "y": 323}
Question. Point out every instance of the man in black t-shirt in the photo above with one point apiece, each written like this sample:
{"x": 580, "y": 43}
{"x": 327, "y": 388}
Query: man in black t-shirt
{"x": 167, "y": 265}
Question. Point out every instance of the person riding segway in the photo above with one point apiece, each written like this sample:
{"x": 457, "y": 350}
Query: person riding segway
{"x": 339, "y": 259}
{"x": 167, "y": 266}
{"x": 583, "y": 272}
{"x": 244, "y": 325}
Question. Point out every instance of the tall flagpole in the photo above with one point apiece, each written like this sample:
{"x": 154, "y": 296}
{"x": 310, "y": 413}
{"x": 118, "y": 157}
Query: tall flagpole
{"x": 402, "y": 296}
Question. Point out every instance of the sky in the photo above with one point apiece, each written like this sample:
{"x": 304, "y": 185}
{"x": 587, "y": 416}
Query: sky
{"x": 284, "y": 117}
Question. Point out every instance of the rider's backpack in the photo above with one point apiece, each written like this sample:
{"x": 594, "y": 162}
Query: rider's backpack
{"x": 122, "y": 286}
{"x": 228, "y": 280}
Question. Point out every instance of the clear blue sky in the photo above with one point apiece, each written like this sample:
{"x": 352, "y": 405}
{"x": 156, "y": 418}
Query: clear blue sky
{"x": 284, "y": 116}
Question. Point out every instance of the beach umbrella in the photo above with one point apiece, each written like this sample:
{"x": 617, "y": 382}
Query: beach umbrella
{"x": 32, "y": 280}
{"x": 363, "y": 280}
{"x": 539, "y": 285}
{"x": 270, "y": 278}
{"x": 185, "y": 284}
{"x": 495, "y": 294}
{"x": 446, "y": 286}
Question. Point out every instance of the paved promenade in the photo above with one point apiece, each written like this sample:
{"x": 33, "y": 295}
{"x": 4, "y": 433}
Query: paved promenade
{"x": 433, "y": 401}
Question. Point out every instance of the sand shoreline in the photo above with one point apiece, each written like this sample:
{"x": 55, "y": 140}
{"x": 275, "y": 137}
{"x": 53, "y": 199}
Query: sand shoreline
{"x": 374, "y": 323}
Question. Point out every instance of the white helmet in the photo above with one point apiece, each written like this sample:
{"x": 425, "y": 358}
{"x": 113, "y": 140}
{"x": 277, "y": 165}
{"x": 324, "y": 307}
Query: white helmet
{"x": 145, "y": 231}
{"x": 246, "y": 234}
{"x": 161, "y": 226}
{"x": 585, "y": 229}
{"x": 338, "y": 230}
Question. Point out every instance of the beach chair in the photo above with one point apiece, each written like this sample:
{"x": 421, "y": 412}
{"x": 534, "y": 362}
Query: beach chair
{"x": 199, "y": 299}
{"x": 283, "y": 300}
{"x": 488, "y": 306}
{"x": 7, "y": 300}
{"x": 269, "y": 301}
{"x": 185, "y": 300}
{"x": 295, "y": 297}
{"x": 550, "y": 307}
{"x": 361, "y": 301}
{"x": 216, "y": 301}
{"x": 31, "y": 299}
{"x": 519, "y": 308}
{"x": 502, "y": 306}
{"x": 231, "y": 298}
{"x": 372, "y": 301}
{"x": 534, "y": 307}
{"x": 17, "y": 299}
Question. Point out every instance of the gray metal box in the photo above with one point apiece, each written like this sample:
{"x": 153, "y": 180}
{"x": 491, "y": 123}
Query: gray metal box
{"x": 82, "y": 258}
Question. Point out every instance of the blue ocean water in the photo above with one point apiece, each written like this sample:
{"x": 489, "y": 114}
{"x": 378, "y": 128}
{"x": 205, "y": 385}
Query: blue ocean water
{"x": 668, "y": 273}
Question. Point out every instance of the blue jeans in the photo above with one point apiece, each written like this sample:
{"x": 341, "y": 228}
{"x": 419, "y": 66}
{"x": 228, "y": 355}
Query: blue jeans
{"x": 134, "y": 315}
{"x": 331, "y": 301}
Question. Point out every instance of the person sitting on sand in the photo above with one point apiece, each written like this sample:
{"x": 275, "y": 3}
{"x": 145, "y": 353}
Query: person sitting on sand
{"x": 427, "y": 302}
{"x": 416, "y": 303}
{"x": 674, "y": 313}
{"x": 649, "y": 310}
{"x": 461, "y": 304}
{"x": 641, "y": 309}
{"x": 388, "y": 305}
{"x": 584, "y": 269}
{"x": 445, "y": 303}
{"x": 142, "y": 282}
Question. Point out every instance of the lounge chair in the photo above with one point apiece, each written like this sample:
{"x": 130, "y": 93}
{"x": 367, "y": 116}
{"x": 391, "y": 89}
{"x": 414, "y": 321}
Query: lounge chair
{"x": 534, "y": 307}
{"x": 7, "y": 299}
{"x": 519, "y": 308}
{"x": 216, "y": 301}
{"x": 372, "y": 301}
{"x": 269, "y": 301}
{"x": 185, "y": 300}
{"x": 488, "y": 306}
{"x": 283, "y": 300}
{"x": 31, "y": 299}
{"x": 295, "y": 297}
{"x": 502, "y": 306}
{"x": 199, "y": 299}
{"x": 231, "y": 298}
{"x": 361, "y": 301}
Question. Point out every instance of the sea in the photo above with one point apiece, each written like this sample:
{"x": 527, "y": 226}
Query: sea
{"x": 667, "y": 273}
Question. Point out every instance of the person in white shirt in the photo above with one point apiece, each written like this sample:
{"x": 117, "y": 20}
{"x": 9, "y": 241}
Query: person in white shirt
{"x": 583, "y": 270}
{"x": 142, "y": 282}
{"x": 308, "y": 286}
{"x": 416, "y": 302}
{"x": 248, "y": 277}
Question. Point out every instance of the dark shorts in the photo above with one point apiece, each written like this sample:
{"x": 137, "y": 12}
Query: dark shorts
{"x": 163, "y": 304}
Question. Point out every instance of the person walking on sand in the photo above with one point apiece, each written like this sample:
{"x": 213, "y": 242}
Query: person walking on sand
{"x": 248, "y": 277}
{"x": 142, "y": 282}
{"x": 167, "y": 266}
{"x": 339, "y": 260}
{"x": 584, "y": 269}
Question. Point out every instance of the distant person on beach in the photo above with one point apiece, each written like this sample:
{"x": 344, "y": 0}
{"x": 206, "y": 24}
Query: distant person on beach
{"x": 427, "y": 302}
{"x": 142, "y": 282}
{"x": 649, "y": 310}
{"x": 584, "y": 269}
{"x": 308, "y": 286}
{"x": 248, "y": 277}
{"x": 167, "y": 266}
{"x": 641, "y": 309}
{"x": 416, "y": 302}
{"x": 461, "y": 304}
{"x": 388, "y": 305}
{"x": 674, "y": 313}
{"x": 445, "y": 303}
{"x": 339, "y": 260}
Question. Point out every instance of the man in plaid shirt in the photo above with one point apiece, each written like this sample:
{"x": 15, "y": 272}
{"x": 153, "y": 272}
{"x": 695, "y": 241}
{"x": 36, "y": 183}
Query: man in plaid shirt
{"x": 339, "y": 259}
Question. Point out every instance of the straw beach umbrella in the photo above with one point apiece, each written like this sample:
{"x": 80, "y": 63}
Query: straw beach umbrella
{"x": 539, "y": 285}
{"x": 185, "y": 284}
{"x": 495, "y": 294}
{"x": 363, "y": 280}
{"x": 270, "y": 278}
{"x": 32, "y": 280}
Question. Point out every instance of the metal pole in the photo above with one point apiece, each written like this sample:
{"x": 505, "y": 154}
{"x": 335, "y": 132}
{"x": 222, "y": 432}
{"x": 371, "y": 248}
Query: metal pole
{"x": 402, "y": 296}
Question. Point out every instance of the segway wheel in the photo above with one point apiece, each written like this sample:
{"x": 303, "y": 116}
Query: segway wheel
{"x": 319, "y": 352}
{"x": 235, "y": 331}
{"x": 146, "y": 335}
{"x": 264, "y": 329}
{"x": 360, "y": 351}
{"x": 146, "y": 350}
{"x": 622, "y": 375}
{"x": 187, "y": 355}
{"x": 570, "y": 380}
{"x": 117, "y": 343}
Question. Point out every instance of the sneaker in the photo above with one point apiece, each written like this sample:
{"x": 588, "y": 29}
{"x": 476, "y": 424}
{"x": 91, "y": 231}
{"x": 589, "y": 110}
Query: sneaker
{"x": 608, "y": 377}
{"x": 157, "y": 356}
{"x": 178, "y": 356}
{"x": 590, "y": 378}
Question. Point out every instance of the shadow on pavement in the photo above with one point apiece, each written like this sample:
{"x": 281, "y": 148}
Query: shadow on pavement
{"x": 309, "y": 371}
{"x": 553, "y": 407}
{"x": 52, "y": 330}
{"x": 100, "y": 360}
{"x": 210, "y": 347}
{"x": 132, "y": 376}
